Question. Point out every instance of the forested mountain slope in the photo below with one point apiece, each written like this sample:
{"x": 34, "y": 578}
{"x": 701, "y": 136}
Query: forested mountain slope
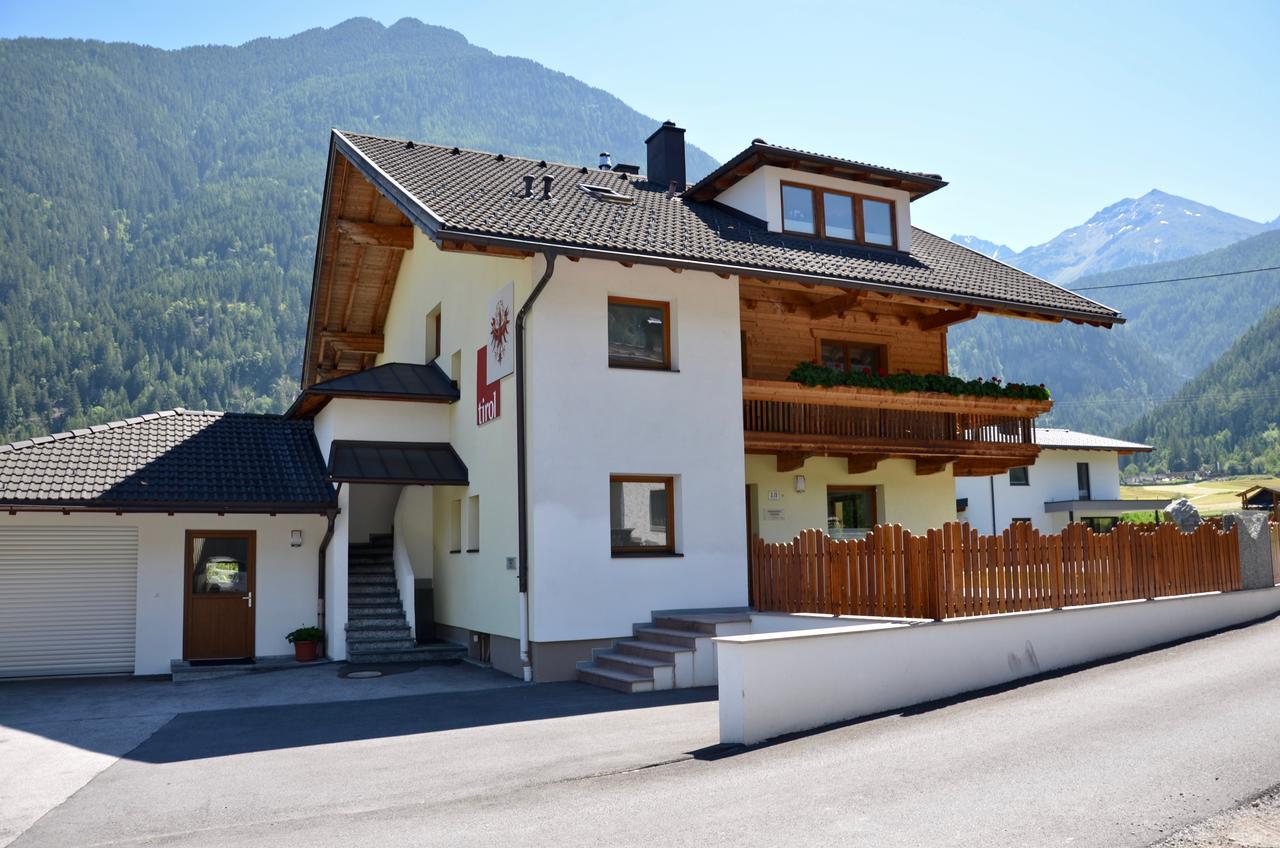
{"x": 158, "y": 209}
{"x": 1102, "y": 380}
{"x": 1228, "y": 415}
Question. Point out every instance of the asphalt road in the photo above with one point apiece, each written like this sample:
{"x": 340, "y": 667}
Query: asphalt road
{"x": 1119, "y": 754}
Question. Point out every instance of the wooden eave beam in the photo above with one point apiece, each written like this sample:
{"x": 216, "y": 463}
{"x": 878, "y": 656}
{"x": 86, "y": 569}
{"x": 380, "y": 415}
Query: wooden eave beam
{"x": 863, "y": 463}
{"x": 351, "y": 342}
{"x": 835, "y": 305}
{"x": 791, "y": 462}
{"x": 925, "y": 467}
{"x": 946, "y": 318}
{"x": 398, "y": 236}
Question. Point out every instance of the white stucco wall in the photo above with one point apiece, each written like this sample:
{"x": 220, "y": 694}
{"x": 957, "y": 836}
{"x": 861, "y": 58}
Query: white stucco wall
{"x": 1052, "y": 478}
{"x": 588, "y": 421}
{"x": 285, "y": 581}
{"x": 787, "y": 682}
{"x": 917, "y": 502}
{"x": 475, "y": 591}
{"x": 760, "y": 194}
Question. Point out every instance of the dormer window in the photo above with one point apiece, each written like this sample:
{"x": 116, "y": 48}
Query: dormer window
{"x": 838, "y": 215}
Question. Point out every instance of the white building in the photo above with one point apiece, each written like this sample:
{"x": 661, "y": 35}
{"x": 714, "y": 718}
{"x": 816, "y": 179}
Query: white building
{"x": 1076, "y": 478}
{"x": 553, "y": 401}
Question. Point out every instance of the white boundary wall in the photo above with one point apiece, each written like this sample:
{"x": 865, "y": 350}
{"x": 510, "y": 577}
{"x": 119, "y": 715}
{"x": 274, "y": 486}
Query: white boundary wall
{"x": 776, "y": 683}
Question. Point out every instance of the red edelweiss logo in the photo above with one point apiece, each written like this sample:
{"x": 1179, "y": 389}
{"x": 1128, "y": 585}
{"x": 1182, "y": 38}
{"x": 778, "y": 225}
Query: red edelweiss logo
{"x": 499, "y": 330}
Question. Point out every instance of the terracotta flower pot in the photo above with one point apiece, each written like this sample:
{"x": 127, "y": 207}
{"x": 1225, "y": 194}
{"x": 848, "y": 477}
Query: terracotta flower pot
{"x": 304, "y": 651}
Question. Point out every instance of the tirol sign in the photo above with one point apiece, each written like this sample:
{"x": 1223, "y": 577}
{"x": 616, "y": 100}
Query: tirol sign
{"x": 488, "y": 395}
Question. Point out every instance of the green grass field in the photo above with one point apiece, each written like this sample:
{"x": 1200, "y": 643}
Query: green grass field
{"x": 1210, "y": 497}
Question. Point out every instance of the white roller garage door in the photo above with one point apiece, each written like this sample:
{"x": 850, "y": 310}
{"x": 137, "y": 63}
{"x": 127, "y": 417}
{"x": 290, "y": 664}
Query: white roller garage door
{"x": 68, "y": 600}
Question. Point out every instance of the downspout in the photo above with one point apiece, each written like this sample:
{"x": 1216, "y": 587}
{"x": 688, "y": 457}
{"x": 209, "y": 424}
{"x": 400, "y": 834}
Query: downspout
{"x": 992, "y": 481}
{"x": 332, "y": 516}
{"x": 522, "y": 473}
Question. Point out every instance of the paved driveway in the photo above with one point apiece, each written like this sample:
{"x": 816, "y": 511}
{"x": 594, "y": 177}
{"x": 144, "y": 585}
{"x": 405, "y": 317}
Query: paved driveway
{"x": 1115, "y": 755}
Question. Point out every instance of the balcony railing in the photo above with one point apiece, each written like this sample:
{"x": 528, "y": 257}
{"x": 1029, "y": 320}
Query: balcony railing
{"x": 778, "y": 415}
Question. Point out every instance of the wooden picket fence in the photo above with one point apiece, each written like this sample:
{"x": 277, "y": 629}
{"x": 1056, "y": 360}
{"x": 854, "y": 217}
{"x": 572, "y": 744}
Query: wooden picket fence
{"x": 955, "y": 571}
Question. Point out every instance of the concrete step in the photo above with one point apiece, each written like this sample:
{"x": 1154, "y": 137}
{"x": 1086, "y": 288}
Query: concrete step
{"x": 370, "y": 559}
{"x": 371, "y": 578}
{"x": 659, "y": 651}
{"x": 375, "y": 622}
{"x": 612, "y": 678}
{"x": 371, "y": 589}
{"x": 683, "y": 638}
{"x": 663, "y": 674}
{"x": 710, "y": 623}
{"x": 385, "y": 632}
{"x": 366, "y": 612}
{"x": 417, "y": 654}
{"x": 370, "y": 568}
{"x": 362, "y": 642}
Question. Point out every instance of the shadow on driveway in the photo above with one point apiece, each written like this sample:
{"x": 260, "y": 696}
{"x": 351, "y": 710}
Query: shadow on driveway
{"x": 220, "y": 733}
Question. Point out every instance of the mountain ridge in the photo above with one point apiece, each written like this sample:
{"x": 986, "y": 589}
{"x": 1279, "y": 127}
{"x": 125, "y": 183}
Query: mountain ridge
{"x": 158, "y": 207}
{"x": 1155, "y": 227}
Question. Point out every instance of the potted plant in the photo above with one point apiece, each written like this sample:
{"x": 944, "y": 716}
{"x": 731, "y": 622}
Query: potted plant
{"x": 305, "y": 641}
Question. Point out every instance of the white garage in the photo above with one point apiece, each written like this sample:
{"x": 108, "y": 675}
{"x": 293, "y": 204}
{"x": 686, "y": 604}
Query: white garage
{"x": 177, "y": 536}
{"x": 68, "y": 600}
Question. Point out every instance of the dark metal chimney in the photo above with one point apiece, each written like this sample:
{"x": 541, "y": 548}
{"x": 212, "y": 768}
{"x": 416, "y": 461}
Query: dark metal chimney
{"x": 546, "y": 187}
{"x": 528, "y": 185}
{"x": 666, "y": 155}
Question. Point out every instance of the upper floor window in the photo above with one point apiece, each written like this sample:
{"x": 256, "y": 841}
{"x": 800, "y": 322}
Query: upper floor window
{"x": 639, "y": 333}
{"x": 838, "y": 215}
{"x": 1019, "y": 476}
{"x": 1082, "y": 481}
{"x": 852, "y": 356}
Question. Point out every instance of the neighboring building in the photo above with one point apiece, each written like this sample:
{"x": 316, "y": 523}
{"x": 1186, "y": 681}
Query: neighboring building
{"x": 1262, "y": 497}
{"x": 1075, "y": 478}
{"x": 554, "y": 399}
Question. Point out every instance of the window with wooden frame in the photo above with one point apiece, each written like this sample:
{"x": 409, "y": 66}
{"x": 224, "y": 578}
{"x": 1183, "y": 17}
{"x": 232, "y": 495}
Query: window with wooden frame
{"x": 852, "y": 356}
{"x": 839, "y": 215}
{"x": 641, "y": 514}
{"x": 639, "y": 333}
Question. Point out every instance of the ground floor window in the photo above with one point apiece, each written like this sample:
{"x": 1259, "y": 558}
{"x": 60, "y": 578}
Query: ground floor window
{"x": 641, "y": 514}
{"x": 1100, "y": 524}
{"x": 851, "y": 511}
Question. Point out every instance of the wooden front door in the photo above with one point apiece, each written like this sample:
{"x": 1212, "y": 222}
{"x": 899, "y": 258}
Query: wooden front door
{"x": 219, "y": 594}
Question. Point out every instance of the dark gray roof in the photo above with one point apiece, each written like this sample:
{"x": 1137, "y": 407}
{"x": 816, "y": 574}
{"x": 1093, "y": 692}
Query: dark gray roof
{"x": 467, "y": 194}
{"x": 425, "y": 463}
{"x": 389, "y": 381}
{"x": 171, "y": 461}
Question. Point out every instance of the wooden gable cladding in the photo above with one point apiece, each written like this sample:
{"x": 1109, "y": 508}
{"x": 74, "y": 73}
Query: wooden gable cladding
{"x": 363, "y": 241}
{"x": 783, "y": 324}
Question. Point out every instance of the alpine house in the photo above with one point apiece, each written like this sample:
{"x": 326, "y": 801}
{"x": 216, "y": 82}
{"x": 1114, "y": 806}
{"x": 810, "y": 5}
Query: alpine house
{"x": 552, "y": 402}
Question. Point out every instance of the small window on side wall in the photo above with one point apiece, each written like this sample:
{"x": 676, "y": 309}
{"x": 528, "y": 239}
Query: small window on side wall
{"x": 433, "y": 335}
{"x": 852, "y": 356}
{"x": 641, "y": 514}
{"x": 639, "y": 333}
{"x": 1019, "y": 476}
{"x": 473, "y": 524}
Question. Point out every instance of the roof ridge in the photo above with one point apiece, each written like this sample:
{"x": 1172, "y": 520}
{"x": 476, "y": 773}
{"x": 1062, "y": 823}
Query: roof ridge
{"x": 460, "y": 149}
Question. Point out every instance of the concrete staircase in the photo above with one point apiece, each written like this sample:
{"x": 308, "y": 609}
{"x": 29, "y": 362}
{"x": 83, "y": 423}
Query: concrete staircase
{"x": 673, "y": 651}
{"x": 377, "y": 630}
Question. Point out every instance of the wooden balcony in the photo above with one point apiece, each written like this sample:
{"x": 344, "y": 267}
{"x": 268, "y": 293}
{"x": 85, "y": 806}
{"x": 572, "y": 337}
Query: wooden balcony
{"x": 980, "y": 435}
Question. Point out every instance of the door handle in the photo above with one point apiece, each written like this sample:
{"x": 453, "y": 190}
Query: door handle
{"x": 249, "y": 599}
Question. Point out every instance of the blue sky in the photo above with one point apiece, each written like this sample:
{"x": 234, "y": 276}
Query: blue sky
{"x": 1038, "y": 113}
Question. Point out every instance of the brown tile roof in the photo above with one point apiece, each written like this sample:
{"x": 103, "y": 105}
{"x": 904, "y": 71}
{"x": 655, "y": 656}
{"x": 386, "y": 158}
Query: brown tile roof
{"x": 171, "y": 461}
{"x": 453, "y": 192}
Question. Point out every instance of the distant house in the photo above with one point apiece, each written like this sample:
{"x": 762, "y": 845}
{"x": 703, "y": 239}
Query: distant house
{"x": 1261, "y": 497}
{"x": 539, "y": 403}
{"x": 1076, "y": 477}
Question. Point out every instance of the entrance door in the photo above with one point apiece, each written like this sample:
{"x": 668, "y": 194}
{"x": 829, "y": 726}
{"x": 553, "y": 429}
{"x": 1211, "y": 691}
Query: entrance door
{"x": 219, "y": 608}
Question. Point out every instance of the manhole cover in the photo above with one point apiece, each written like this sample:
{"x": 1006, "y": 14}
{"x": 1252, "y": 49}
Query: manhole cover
{"x": 360, "y": 675}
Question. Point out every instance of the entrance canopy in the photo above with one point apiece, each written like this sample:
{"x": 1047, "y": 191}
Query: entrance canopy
{"x": 404, "y": 463}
